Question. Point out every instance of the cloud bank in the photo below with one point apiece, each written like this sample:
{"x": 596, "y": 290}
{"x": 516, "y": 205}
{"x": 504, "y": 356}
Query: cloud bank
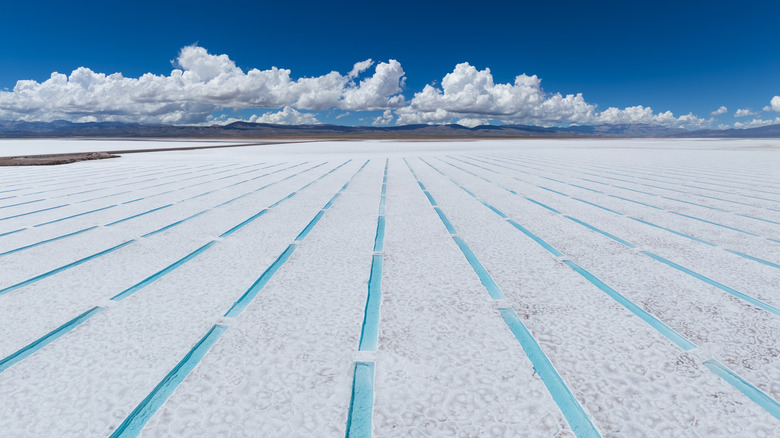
{"x": 470, "y": 97}
{"x": 287, "y": 116}
{"x": 744, "y": 112}
{"x": 202, "y": 84}
{"x": 755, "y": 123}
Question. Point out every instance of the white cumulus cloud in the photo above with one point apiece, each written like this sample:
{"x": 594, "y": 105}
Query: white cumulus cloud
{"x": 360, "y": 67}
{"x": 471, "y": 95}
{"x": 385, "y": 119}
{"x": 287, "y": 116}
{"x": 382, "y": 90}
{"x": 201, "y": 84}
{"x": 719, "y": 111}
{"x": 644, "y": 115}
{"x": 755, "y": 123}
{"x": 472, "y": 123}
{"x": 774, "y": 104}
{"x": 744, "y": 112}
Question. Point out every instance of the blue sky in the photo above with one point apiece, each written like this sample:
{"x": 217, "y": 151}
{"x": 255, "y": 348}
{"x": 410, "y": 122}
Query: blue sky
{"x": 683, "y": 57}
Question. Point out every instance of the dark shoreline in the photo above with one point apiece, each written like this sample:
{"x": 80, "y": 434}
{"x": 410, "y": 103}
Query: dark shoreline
{"x": 54, "y": 159}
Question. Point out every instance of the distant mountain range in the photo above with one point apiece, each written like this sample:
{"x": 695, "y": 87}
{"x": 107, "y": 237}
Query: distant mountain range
{"x": 247, "y": 130}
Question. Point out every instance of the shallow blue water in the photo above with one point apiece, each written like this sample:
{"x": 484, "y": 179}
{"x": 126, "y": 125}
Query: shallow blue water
{"x": 63, "y": 268}
{"x": 154, "y": 277}
{"x": 734, "y": 292}
{"x": 47, "y": 241}
{"x": 572, "y": 410}
{"x": 369, "y": 332}
{"x": 753, "y": 393}
{"x": 47, "y": 339}
{"x": 361, "y": 403}
{"x": 137, "y": 419}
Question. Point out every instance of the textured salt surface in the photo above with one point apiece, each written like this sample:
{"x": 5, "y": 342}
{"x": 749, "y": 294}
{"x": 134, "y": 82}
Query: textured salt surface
{"x": 566, "y": 235}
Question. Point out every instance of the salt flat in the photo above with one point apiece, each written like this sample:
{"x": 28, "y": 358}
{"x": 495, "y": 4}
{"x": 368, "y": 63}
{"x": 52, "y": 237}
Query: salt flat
{"x": 483, "y": 288}
{"x": 58, "y": 146}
